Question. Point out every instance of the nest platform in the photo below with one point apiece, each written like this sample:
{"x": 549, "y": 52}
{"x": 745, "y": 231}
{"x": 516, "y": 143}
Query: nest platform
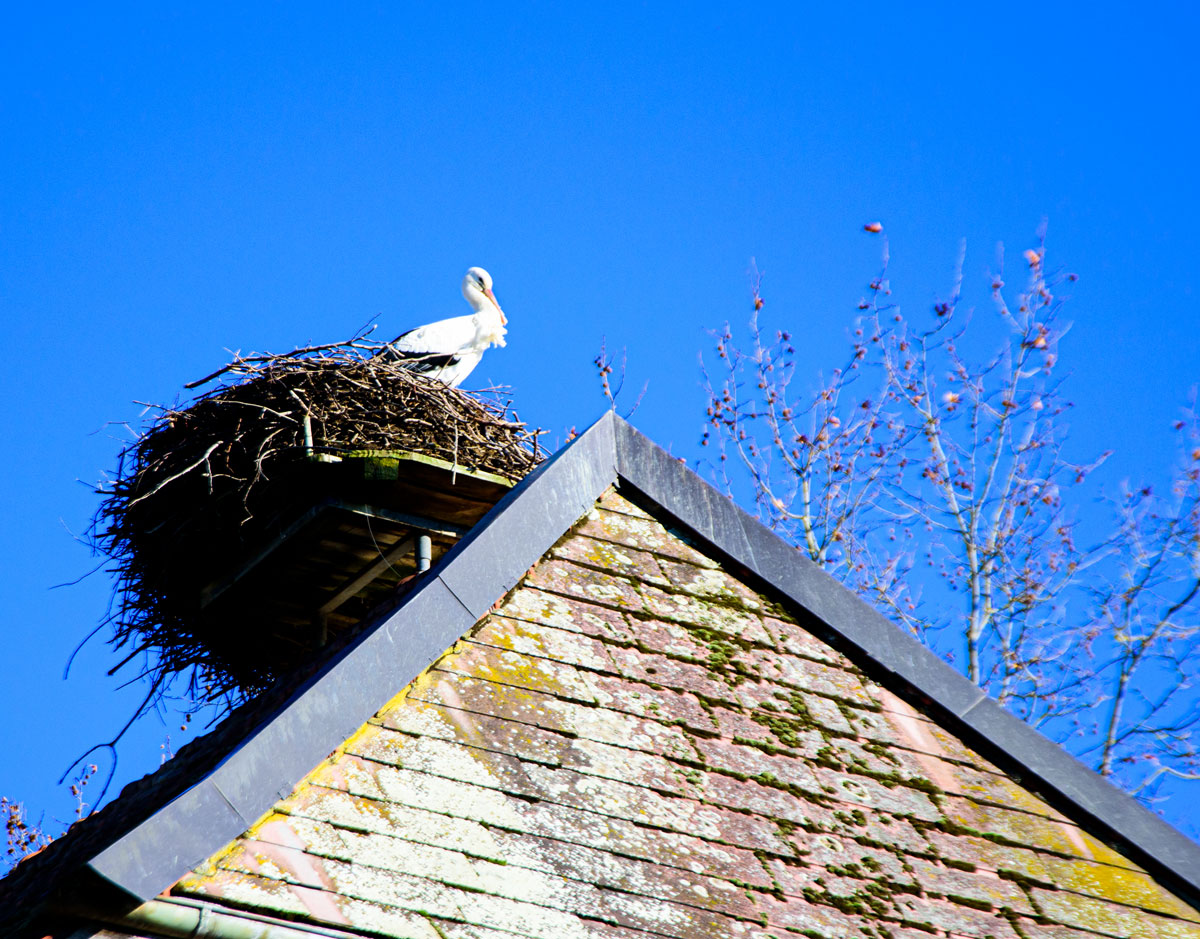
{"x": 268, "y": 517}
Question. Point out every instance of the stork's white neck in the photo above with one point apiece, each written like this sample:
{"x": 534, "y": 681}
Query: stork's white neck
{"x": 480, "y": 303}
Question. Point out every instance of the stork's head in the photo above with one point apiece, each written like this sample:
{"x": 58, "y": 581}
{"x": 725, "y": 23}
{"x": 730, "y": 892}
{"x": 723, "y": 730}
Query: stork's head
{"x": 477, "y": 288}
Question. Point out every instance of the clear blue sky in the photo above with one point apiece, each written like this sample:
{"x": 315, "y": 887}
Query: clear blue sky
{"x": 177, "y": 182}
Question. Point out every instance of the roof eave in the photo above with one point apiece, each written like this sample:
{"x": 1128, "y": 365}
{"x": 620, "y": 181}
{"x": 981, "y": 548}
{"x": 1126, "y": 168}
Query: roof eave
{"x": 494, "y": 557}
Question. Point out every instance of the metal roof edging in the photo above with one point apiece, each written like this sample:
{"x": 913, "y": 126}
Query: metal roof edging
{"x": 850, "y": 621}
{"x": 493, "y": 557}
{"x": 329, "y": 707}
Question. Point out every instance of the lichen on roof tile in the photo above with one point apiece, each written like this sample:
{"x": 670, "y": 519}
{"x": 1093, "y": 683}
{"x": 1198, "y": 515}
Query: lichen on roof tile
{"x": 635, "y": 743}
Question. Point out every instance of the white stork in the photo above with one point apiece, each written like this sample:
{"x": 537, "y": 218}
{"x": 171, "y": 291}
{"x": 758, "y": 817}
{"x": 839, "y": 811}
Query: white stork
{"x": 449, "y": 349}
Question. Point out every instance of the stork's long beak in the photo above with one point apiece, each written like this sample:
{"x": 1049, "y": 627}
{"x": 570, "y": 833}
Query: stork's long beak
{"x": 487, "y": 292}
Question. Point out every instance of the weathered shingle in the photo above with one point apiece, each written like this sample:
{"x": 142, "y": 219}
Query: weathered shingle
{"x": 635, "y": 743}
{"x": 637, "y": 730}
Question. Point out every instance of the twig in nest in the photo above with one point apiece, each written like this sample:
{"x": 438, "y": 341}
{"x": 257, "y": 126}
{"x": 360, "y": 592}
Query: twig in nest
{"x": 237, "y": 363}
{"x": 205, "y": 480}
{"x": 175, "y": 476}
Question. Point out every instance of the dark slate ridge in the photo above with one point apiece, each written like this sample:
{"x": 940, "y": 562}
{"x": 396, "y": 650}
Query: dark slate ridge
{"x": 799, "y": 795}
{"x": 165, "y": 823}
{"x": 160, "y": 827}
{"x": 901, "y": 663}
{"x": 355, "y": 685}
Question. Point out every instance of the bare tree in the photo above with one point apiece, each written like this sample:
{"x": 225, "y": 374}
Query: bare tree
{"x": 929, "y": 473}
{"x": 1145, "y": 605}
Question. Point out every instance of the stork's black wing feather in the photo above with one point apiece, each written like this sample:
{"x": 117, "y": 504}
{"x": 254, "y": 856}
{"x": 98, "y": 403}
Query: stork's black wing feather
{"x": 421, "y": 361}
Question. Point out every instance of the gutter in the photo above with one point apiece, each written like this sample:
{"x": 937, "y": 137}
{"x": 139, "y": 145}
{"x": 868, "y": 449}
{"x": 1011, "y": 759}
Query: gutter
{"x": 181, "y": 919}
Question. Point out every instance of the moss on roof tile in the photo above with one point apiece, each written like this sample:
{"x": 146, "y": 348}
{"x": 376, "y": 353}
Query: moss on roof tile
{"x": 636, "y": 744}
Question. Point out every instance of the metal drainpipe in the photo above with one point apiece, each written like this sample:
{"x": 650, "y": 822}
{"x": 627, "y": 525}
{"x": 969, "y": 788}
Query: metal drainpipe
{"x": 424, "y": 553}
{"x": 185, "y": 921}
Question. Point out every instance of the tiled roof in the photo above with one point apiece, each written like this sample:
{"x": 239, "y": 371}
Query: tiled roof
{"x": 636, "y": 744}
{"x": 694, "y": 733}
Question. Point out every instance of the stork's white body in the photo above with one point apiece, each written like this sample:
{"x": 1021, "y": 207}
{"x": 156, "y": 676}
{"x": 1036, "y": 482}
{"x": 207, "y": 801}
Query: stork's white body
{"x": 449, "y": 350}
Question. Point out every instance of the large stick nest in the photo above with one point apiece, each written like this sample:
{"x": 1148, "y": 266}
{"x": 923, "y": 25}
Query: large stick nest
{"x": 206, "y": 480}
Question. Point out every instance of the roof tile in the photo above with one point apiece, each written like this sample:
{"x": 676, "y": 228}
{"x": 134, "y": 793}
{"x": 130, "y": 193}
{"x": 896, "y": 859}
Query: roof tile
{"x": 1108, "y": 917}
{"x": 635, "y": 743}
{"x": 548, "y": 609}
